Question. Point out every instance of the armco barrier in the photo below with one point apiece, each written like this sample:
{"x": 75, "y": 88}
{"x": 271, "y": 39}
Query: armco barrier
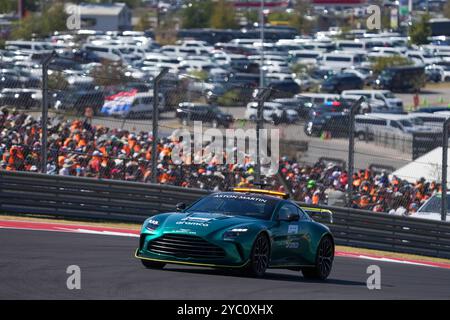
{"x": 76, "y": 197}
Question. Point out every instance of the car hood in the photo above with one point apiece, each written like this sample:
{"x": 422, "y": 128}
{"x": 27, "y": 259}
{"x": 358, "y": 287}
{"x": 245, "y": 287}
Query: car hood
{"x": 202, "y": 224}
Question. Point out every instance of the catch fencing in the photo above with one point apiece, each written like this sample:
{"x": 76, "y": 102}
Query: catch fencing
{"x": 74, "y": 197}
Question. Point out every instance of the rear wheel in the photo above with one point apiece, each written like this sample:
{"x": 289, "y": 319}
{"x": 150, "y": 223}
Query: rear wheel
{"x": 324, "y": 261}
{"x": 259, "y": 257}
{"x": 149, "y": 264}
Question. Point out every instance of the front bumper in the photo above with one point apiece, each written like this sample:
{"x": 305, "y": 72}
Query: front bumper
{"x": 153, "y": 247}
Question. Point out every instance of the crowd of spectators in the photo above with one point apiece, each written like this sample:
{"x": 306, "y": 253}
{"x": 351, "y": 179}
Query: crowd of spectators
{"x": 78, "y": 148}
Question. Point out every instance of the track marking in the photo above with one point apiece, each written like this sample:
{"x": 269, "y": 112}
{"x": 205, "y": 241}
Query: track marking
{"x": 107, "y": 231}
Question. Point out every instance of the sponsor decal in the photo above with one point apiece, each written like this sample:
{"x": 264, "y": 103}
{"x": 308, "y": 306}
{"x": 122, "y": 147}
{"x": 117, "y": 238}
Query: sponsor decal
{"x": 240, "y": 197}
{"x": 293, "y": 228}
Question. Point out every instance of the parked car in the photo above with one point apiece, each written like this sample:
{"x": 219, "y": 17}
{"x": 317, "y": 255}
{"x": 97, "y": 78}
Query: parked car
{"x": 272, "y": 112}
{"x": 378, "y": 100}
{"x": 299, "y": 105}
{"x": 138, "y": 105}
{"x": 187, "y": 112}
{"x": 336, "y": 123}
{"x": 21, "y": 98}
{"x": 431, "y": 209}
{"x": 366, "y": 126}
{"x": 340, "y": 82}
{"x": 78, "y": 101}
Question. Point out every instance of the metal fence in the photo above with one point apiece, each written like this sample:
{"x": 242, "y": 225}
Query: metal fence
{"x": 128, "y": 201}
{"x": 101, "y": 125}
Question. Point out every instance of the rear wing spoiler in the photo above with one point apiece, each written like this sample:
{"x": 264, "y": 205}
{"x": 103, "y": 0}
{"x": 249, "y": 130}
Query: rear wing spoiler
{"x": 319, "y": 215}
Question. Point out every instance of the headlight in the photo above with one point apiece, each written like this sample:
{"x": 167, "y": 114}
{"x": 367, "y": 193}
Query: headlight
{"x": 234, "y": 233}
{"x": 152, "y": 224}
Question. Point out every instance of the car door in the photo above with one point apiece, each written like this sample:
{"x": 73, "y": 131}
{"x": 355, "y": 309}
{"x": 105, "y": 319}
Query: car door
{"x": 288, "y": 237}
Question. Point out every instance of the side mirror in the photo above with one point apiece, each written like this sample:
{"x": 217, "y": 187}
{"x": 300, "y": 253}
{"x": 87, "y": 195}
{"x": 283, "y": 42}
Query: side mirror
{"x": 288, "y": 216}
{"x": 181, "y": 206}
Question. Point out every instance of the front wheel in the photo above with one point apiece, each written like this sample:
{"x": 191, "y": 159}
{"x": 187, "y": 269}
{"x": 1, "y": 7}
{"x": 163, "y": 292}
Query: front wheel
{"x": 259, "y": 257}
{"x": 149, "y": 264}
{"x": 324, "y": 261}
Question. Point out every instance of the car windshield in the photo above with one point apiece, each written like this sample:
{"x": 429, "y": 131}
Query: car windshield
{"x": 434, "y": 204}
{"x": 406, "y": 123}
{"x": 247, "y": 205}
{"x": 389, "y": 95}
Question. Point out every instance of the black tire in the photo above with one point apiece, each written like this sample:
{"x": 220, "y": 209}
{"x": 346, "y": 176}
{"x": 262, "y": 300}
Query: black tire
{"x": 149, "y": 264}
{"x": 324, "y": 261}
{"x": 259, "y": 257}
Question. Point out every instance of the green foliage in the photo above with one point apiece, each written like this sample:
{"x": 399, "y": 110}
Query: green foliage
{"x": 197, "y": 14}
{"x": 166, "y": 33}
{"x": 7, "y": 6}
{"x": 57, "y": 81}
{"x": 230, "y": 98}
{"x": 144, "y": 22}
{"x": 447, "y": 9}
{"x": 299, "y": 68}
{"x": 251, "y": 16}
{"x": 223, "y": 16}
{"x": 421, "y": 30}
{"x": 41, "y": 25}
{"x": 381, "y": 63}
{"x": 109, "y": 73}
{"x": 279, "y": 16}
{"x": 298, "y": 18}
{"x": 200, "y": 75}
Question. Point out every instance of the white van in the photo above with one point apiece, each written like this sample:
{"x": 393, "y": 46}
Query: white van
{"x": 160, "y": 60}
{"x": 317, "y": 98}
{"x": 341, "y": 60}
{"x": 304, "y": 56}
{"x": 378, "y": 99}
{"x": 359, "y": 45}
{"x": 422, "y": 57}
{"x": 435, "y": 120}
{"x": 104, "y": 52}
{"x": 136, "y": 106}
{"x": 368, "y": 125}
{"x": 28, "y": 46}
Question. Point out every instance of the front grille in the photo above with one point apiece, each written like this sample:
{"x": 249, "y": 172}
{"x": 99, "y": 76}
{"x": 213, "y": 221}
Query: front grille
{"x": 185, "y": 246}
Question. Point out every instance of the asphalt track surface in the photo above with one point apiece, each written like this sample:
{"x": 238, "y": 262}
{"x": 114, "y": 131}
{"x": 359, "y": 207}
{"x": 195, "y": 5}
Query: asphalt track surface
{"x": 33, "y": 265}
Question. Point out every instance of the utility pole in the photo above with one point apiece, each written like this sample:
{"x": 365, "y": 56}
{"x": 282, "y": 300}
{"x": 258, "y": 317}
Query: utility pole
{"x": 351, "y": 148}
{"x": 44, "y": 116}
{"x": 262, "y": 97}
{"x": 444, "y": 169}
{"x": 261, "y": 22}
{"x": 155, "y": 114}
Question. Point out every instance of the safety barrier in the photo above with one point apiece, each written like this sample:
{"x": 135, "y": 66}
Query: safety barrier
{"x": 89, "y": 198}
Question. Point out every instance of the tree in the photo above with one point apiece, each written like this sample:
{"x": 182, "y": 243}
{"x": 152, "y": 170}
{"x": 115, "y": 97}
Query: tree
{"x": 144, "y": 22}
{"x": 381, "y": 63}
{"x": 41, "y": 25}
{"x": 447, "y": 9}
{"x": 109, "y": 74}
{"x": 57, "y": 81}
{"x": 197, "y": 14}
{"x": 421, "y": 30}
{"x": 223, "y": 16}
{"x": 7, "y": 6}
{"x": 299, "y": 19}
